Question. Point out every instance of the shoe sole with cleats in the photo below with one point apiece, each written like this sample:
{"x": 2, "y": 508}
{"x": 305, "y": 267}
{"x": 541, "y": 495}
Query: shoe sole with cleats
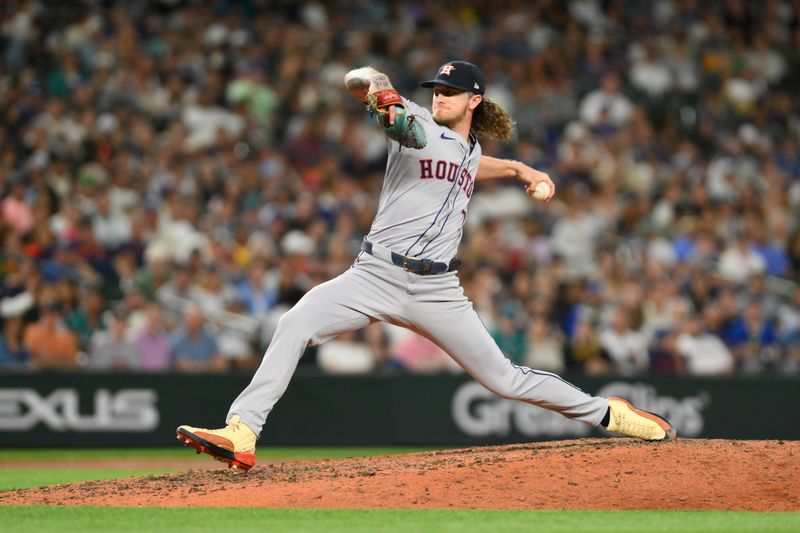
{"x": 240, "y": 461}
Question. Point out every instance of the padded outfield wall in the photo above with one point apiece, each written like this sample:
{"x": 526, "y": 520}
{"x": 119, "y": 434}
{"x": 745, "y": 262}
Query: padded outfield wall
{"x": 99, "y": 410}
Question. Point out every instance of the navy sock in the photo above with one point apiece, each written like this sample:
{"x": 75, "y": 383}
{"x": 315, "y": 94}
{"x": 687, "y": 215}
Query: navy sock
{"x": 606, "y": 419}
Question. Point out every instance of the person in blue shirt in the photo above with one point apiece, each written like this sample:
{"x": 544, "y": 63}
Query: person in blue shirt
{"x": 12, "y": 351}
{"x": 752, "y": 338}
{"x": 194, "y": 348}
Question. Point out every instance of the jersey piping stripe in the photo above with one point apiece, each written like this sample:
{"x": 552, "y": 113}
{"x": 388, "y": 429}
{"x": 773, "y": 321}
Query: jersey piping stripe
{"x": 526, "y": 370}
{"x": 455, "y": 181}
{"x": 452, "y": 207}
{"x": 441, "y": 229}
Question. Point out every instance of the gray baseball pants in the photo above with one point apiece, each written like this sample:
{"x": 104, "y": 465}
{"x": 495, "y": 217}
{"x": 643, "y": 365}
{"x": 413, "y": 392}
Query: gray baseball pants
{"x": 434, "y": 306}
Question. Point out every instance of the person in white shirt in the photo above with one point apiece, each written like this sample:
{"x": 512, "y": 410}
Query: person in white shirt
{"x": 704, "y": 352}
{"x": 606, "y": 103}
{"x": 739, "y": 261}
{"x": 345, "y": 355}
{"x": 626, "y": 346}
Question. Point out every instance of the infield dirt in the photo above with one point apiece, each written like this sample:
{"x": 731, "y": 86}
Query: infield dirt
{"x": 579, "y": 474}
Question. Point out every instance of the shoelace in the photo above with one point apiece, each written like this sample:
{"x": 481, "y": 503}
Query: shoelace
{"x": 239, "y": 427}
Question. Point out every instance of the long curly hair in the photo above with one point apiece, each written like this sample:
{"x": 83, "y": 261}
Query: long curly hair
{"x": 491, "y": 120}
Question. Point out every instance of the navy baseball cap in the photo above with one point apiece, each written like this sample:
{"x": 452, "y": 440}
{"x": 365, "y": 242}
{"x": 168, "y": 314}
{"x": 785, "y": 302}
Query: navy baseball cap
{"x": 459, "y": 75}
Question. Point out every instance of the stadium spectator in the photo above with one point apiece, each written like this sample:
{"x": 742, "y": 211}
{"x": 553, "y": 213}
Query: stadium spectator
{"x": 17, "y": 212}
{"x": 13, "y": 353}
{"x": 257, "y": 290}
{"x": 705, "y": 353}
{"x": 575, "y": 236}
{"x": 237, "y": 334}
{"x": 584, "y": 351}
{"x": 112, "y": 226}
{"x": 111, "y": 349}
{"x": 509, "y": 331}
{"x": 153, "y": 346}
{"x": 626, "y": 347}
{"x": 194, "y": 347}
{"x": 211, "y": 292}
{"x": 752, "y": 339}
{"x": 665, "y": 356}
{"x": 412, "y": 352}
{"x": 346, "y": 354}
{"x": 545, "y": 347}
{"x": 50, "y": 343}
{"x": 739, "y": 261}
{"x": 606, "y": 107}
{"x": 178, "y": 291}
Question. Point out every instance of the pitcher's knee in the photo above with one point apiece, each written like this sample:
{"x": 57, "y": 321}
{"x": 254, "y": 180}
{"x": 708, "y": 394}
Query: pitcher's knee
{"x": 503, "y": 389}
{"x": 294, "y": 322}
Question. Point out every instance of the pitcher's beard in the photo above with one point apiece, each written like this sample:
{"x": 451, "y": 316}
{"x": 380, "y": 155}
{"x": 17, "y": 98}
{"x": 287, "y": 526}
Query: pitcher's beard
{"x": 448, "y": 123}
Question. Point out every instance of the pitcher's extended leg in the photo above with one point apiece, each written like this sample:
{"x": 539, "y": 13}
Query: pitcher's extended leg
{"x": 448, "y": 319}
{"x": 455, "y": 326}
{"x": 345, "y": 303}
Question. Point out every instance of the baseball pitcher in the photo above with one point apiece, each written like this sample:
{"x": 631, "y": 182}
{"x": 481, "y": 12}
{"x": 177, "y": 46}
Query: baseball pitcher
{"x": 406, "y": 271}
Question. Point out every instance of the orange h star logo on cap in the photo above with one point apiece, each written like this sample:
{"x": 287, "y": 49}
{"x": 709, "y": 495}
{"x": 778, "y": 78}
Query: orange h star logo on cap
{"x": 447, "y": 69}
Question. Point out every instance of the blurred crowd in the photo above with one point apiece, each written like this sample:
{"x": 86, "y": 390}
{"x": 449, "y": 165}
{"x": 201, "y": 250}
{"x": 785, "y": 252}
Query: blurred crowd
{"x": 177, "y": 174}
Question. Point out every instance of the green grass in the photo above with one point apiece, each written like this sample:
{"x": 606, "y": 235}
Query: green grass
{"x": 11, "y": 479}
{"x": 23, "y": 479}
{"x": 264, "y": 453}
{"x": 121, "y": 519}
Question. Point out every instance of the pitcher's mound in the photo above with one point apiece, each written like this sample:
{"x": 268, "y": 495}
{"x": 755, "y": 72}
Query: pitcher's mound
{"x": 579, "y": 474}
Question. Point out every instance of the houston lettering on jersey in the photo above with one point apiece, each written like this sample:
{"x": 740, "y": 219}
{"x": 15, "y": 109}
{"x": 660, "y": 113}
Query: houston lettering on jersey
{"x": 446, "y": 171}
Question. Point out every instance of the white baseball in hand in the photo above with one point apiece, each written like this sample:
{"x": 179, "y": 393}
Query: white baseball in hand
{"x": 542, "y": 191}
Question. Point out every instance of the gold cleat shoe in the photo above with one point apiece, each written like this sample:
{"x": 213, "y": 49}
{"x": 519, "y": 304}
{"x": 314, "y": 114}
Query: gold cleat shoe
{"x": 627, "y": 420}
{"x": 235, "y": 444}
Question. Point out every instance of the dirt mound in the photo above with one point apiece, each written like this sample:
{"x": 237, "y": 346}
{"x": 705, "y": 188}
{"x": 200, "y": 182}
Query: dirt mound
{"x": 581, "y": 474}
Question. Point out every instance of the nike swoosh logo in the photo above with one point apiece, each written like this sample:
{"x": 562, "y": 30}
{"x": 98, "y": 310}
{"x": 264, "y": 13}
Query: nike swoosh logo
{"x": 448, "y": 138}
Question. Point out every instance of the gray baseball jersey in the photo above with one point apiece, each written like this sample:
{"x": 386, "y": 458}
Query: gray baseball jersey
{"x": 421, "y": 214}
{"x": 425, "y": 193}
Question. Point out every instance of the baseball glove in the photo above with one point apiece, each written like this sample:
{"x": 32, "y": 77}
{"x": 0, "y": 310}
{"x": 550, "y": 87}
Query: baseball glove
{"x": 392, "y": 114}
